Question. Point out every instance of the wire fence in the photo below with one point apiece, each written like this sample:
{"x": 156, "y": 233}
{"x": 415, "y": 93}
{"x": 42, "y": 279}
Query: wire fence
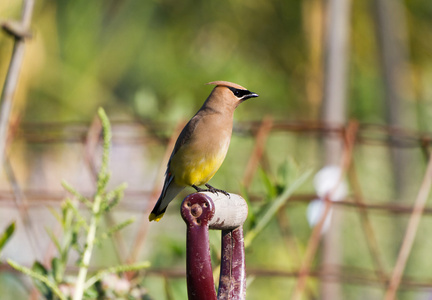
{"x": 84, "y": 139}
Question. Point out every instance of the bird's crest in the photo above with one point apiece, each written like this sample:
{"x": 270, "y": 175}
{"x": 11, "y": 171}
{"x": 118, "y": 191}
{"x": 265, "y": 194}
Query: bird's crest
{"x": 227, "y": 84}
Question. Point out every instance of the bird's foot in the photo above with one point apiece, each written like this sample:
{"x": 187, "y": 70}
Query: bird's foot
{"x": 215, "y": 190}
{"x": 210, "y": 189}
{"x": 198, "y": 189}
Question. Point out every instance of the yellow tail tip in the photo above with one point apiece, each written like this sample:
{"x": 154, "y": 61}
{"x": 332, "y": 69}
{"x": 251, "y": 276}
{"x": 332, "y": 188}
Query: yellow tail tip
{"x": 157, "y": 218}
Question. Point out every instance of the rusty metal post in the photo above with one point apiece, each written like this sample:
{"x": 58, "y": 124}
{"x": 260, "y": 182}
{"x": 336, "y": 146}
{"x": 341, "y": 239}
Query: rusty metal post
{"x": 232, "y": 280}
{"x": 196, "y": 211}
{"x": 204, "y": 211}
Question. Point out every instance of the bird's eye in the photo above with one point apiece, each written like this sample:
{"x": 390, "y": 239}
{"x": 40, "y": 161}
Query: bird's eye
{"x": 239, "y": 93}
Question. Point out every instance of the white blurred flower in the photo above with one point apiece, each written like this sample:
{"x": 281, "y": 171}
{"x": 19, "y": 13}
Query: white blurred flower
{"x": 314, "y": 214}
{"x": 329, "y": 180}
{"x": 115, "y": 283}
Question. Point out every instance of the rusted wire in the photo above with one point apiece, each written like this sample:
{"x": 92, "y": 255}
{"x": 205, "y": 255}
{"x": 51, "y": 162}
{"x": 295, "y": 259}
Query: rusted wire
{"x": 346, "y": 274}
{"x": 135, "y": 133}
{"x": 146, "y": 132}
{"x": 133, "y": 201}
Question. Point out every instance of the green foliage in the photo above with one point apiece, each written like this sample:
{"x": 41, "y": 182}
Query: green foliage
{"x": 52, "y": 283}
{"x": 43, "y": 282}
{"x": 278, "y": 194}
{"x": 6, "y": 235}
{"x": 149, "y": 57}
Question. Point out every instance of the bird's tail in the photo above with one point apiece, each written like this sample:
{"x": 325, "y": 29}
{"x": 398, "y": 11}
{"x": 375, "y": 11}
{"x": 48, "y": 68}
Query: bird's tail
{"x": 169, "y": 191}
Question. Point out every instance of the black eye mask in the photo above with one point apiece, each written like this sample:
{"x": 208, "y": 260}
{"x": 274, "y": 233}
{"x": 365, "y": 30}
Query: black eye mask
{"x": 242, "y": 94}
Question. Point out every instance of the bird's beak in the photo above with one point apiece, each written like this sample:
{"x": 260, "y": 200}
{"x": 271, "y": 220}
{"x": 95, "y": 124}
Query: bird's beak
{"x": 251, "y": 95}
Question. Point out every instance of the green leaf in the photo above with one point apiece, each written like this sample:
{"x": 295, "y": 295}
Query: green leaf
{"x": 56, "y": 214}
{"x": 74, "y": 210}
{"x": 75, "y": 244}
{"x": 113, "y": 197}
{"x": 58, "y": 268}
{"x": 39, "y": 274}
{"x": 288, "y": 171}
{"x": 264, "y": 219}
{"x": 116, "y": 228}
{"x": 7, "y": 234}
{"x": 54, "y": 239}
{"x": 40, "y": 269}
{"x": 76, "y": 194}
{"x": 103, "y": 175}
{"x": 91, "y": 293}
{"x": 67, "y": 243}
{"x": 268, "y": 184}
{"x": 43, "y": 288}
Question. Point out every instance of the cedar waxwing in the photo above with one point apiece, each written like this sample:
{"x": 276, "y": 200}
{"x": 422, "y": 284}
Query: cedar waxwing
{"x": 202, "y": 144}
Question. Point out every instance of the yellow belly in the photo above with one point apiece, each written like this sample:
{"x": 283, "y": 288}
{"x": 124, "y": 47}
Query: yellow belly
{"x": 194, "y": 169}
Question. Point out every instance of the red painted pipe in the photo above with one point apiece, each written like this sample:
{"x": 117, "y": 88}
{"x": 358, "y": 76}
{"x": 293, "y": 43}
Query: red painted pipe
{"x": 232, "y": 280}
{"x": 197, "y": 209}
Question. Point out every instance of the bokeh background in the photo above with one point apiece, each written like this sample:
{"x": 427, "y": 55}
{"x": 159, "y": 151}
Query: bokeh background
{"x": 146, "y": 63}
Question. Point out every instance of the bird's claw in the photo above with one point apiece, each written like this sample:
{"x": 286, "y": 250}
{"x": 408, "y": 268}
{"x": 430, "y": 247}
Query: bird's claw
{"x": 211, "y": 190}
{"x": 216, "y": 191}
{"x": 198, "y": 189}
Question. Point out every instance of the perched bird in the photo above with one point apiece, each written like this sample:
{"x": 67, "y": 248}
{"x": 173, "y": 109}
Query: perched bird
{"x": 202, "y": 144}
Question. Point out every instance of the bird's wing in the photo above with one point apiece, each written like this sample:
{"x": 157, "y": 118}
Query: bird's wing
{"x": 184, "y": 136}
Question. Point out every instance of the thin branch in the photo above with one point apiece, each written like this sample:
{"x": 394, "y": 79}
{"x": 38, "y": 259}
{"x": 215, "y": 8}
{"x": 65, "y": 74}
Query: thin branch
{"x": 12, "y": 76}
{"x": 367, "y": 226}
{"x": 410, "y": 233}
{"x": 258, "y": 151}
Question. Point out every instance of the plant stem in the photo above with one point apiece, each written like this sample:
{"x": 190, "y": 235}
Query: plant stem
{"x": 39, "y": 277}
{"x": 12, "y": 76}
{"x": 79, "y": 288}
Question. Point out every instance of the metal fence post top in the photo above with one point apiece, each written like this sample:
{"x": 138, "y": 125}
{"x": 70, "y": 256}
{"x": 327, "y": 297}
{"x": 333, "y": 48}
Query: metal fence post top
{"x": 197, "y": 209}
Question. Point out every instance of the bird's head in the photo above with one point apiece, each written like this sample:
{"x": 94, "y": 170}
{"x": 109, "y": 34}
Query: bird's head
{"x": 229, "y": 94}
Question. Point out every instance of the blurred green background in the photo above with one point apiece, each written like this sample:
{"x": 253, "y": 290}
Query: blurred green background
{"x": 148, "y": 61}
{"x": 150, "y": 58}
